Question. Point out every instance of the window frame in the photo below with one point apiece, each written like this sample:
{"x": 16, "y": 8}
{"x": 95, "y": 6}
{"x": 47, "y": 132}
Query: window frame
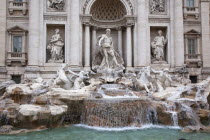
{"x": 192, "y": 34}
{"x": 193, "y": 47}
{"x": 13, "y": 47}
{"x": 190, "y": 3}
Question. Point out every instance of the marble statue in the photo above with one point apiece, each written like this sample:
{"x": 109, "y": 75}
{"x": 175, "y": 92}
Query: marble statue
{"x": 158, "y": 45}
{"x": 157, "y": 6}
{"x": 75, "y": 81}
{"x": 143, "y": 80}
{"x": 56, "y": 45}
{"x": 61, "y": 78}
{"x": 80, "y": 78}
{"x": 56, "y": 4}
{"x": 163, "y": 79}
{"x": 107, "y": 57}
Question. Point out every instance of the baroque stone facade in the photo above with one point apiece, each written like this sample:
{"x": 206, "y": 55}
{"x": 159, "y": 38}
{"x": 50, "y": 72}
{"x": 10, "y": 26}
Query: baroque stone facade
{"x": 38, "y": 36}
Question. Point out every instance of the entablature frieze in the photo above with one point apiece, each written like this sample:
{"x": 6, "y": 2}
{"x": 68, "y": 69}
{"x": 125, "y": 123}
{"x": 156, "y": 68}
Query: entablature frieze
{"x": 55, "y": 17}
{"x": 159, "y": 20}
{"x": 125, "y": 21}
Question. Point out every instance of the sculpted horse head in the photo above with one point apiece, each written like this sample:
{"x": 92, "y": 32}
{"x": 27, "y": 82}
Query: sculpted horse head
{"x": 143, "y": 79}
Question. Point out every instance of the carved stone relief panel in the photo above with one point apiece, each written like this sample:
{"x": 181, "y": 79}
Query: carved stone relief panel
{"x": 55, "y": 50}
{"x": 158, "y": 7}
{"x": 159, "y": 43}
{"x": 56, "y": 5}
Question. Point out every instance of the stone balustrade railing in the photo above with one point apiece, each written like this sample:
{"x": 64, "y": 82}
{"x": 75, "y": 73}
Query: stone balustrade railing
{"x": 191, "y": 11}
{"x": 193, "y": 56}
{"x": 193, "y": 59}
{"x": 16, "y": 57}
{"x": 18, "y": 6}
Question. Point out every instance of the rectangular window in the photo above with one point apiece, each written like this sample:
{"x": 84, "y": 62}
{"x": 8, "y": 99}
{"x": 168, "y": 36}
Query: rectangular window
{"x": 18, "y": 0}
{"x": 17, "y": 43}
{"x": 190, "y": 3}
{"x": 192, "y": 45}
{"x": 192, "y": 48}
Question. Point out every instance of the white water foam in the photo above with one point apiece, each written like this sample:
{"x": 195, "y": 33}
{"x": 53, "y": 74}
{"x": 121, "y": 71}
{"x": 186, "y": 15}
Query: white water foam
{"x": 149, "y": 126}
{"x": 120, "y": 97}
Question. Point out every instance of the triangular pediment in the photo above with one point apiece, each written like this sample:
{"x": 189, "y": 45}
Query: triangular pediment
{"x": 193, "y": 32}
{"x": 16, "y": 29}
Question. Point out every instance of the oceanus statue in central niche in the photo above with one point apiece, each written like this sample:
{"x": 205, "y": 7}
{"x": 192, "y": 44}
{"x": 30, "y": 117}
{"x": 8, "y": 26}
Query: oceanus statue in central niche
{"x": 107, "y": 60}
{"x": 107, "y": 57}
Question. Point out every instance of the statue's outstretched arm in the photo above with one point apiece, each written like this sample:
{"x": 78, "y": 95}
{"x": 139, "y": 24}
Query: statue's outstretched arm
{"x": 73, "y": 72}
{"x": 154, "y": 71}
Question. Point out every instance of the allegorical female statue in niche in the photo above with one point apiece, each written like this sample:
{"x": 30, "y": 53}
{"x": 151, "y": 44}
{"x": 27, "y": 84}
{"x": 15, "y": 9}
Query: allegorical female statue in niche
{"x": 55, "y": 46}
{"x": 107, "y": 58}
{"x": 158, "y": 47}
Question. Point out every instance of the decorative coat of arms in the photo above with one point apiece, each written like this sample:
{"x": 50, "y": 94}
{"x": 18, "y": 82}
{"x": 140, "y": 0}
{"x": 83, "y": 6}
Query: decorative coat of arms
{"x": 57, "y": 5}
{"x": 157, "y": 6}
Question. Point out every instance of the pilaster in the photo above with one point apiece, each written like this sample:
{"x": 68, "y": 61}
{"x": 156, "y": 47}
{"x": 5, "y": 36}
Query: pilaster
{"x": 3, "y": 20}
{"x": 142, "y": 24}
{"x": 178, "y": 33}
{"x": 34, "y": 33}
{"x": 74, "y": 50}
{"x": 87, "y": 46}
{"x": 128, "y": 47}
{"x": 205, "y": 32}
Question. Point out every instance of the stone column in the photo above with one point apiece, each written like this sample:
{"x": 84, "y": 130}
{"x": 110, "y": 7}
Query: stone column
{"x": 34, "y": 29}
{"x": 94, "y": 41}
{"x": 120, "y": 40}
{"x": 205, "y": 32}
{"x": 128, "y": 48}
{"x": 87, "y": 46}
{"x": 179, "y": 33}
{"x": 74, "y": 50}
{"x": 3, "y": 14}
{"x": 142, "y": 26}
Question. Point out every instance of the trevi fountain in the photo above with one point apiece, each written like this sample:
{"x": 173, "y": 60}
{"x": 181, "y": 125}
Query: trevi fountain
{"x": 106, "y": 102}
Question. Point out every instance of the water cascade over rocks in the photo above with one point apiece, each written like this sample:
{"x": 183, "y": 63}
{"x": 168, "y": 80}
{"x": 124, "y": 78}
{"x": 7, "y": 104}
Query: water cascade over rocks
{"x": 90, "y": 98}
{"x": 117, "y": 113}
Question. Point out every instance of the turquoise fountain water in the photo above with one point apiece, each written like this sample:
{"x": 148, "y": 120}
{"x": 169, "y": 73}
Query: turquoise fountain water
{"x": 92, "y": 133}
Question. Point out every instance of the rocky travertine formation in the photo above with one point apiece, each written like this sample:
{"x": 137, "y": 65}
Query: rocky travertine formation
{"x": 134, "y": 99}
{"x": 4, "y": 85}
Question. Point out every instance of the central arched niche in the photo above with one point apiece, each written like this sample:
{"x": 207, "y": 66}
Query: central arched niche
{"x": 117, "y": 15}
{"x": 108, "y": 13}
{"x": 108, "y": 10}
